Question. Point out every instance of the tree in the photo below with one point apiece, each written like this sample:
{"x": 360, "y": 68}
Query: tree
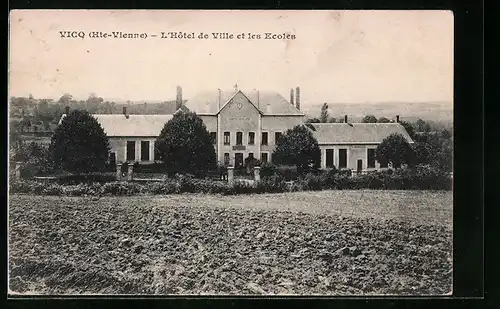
{"x": 422, "y": 126}
{"x": 185, "y": 145}
{"x": 79, "y": 144}
{"x": 446, "y": 134}
{"x": 384, "y": 120}
{"x": 324, "y": 113}
{"x": 93, "y": 102}
{"x": 369, "y": 119}
{"x": 313, "y": 120}
{"x": 434, "y": 150}
{"x": 65, "y": 99}
{"x": 394, "y": 149}
{"x": 332, "y": 120}
{"x": 298, "y": 147}
{"x": 409, "y": 128}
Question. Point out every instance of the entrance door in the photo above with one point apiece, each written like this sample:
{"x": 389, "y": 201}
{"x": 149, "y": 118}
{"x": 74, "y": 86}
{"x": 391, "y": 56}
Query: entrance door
{"x": 360, "y": 166}
{"x": 238, "y": 160}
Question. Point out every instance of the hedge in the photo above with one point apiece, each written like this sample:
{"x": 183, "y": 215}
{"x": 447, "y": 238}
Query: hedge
{"x": 420, "y": 178}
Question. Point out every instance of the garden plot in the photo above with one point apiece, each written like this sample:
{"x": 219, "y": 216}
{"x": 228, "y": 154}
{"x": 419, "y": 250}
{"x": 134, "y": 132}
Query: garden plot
{"x": 328, "y": 243}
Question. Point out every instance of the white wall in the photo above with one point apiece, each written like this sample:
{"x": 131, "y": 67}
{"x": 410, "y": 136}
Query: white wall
{"x": 354, "y": 153}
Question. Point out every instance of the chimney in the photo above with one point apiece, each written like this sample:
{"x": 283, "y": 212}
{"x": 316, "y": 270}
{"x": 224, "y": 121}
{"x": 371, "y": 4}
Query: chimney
{"x": 291, "y": 96}
{"x": 178, "y": 100}
{"x": 397, "y": 118}
{"x": 67, "y": 110}
{"x": 268, "y": 108}
{"x": 125, "y": 111}
{"x": 219, "y": 98}
{"x": 258, "y": 99}
{"x": 345, "y": 119}
{"x": 297, "y": 98}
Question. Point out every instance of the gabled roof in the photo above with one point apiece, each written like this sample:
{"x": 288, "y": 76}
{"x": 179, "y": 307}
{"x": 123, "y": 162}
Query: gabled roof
{"x": 267, "y": 102}
{"x": 134, "y": 125}
{"x": 355, "y": 133}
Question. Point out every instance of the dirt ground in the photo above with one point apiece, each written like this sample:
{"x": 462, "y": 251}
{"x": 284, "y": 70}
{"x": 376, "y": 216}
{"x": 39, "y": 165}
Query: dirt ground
{"x": 308, "y": 243}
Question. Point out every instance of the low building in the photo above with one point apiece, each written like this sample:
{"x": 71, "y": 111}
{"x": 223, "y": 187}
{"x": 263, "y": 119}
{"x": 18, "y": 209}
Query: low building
{"x": 352, "y": 145}
{"x": 248, "y": 124}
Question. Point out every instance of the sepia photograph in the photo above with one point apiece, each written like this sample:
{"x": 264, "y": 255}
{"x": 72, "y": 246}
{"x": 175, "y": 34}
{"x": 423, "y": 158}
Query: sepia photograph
{"x": 230, "y": 152}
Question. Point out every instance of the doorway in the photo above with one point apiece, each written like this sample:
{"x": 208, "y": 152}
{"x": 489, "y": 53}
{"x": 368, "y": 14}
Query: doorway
{"x": 238, "y": 160}
{"x": 360, "y": 166}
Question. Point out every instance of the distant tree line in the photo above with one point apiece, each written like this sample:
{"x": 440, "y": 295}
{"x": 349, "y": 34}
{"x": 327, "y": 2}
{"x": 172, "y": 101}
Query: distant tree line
{"x": 38, "y": 115}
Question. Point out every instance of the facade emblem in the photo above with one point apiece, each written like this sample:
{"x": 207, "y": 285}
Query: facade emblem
{"x": 239, "y": 105}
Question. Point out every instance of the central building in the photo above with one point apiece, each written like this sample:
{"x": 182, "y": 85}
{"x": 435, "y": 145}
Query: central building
{"x": 246, "y": 124}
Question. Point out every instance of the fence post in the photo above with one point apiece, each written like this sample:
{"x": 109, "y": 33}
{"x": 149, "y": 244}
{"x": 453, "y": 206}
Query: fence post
{"x": 230, "y": 174}
{"x": 130, "y": 172}
{"x": 256, "y": 172}
{"x": 118, "y": 171}
{"x": 18, "y": 170}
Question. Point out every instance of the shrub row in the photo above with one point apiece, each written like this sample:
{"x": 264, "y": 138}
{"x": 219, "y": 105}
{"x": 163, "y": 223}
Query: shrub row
{"x": 170, "y": 186}
{"x": 422, "y": 178}
{"x": 418, "y": 178}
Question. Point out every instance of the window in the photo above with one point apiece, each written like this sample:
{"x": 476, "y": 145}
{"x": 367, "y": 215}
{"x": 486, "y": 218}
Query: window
{"x": 342, "y": 158}
{"x": 239, "y": 138}
{"x": 226, "y": 158}
{"x": 227, "y": 138}
{"x": 371, "y": 158}
{"x": 277, "y": 136}
{"x": 112, "y": 158}
{"x": 130, "y": 150}
{"x": 251, "y": 138}
{"x": 264, "y": 157}
{"x": 329, "y": 158}
{"x": 213, "y": 136}
{"x": 264, "y": 138}
{"x": 156, "y": 151}
{"x": 144, "y": 150}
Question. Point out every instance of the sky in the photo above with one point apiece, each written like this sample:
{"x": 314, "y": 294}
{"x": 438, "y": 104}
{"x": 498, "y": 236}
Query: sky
{"x": 336, "y": 56}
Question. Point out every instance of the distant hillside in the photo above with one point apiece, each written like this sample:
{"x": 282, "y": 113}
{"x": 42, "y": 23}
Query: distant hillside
{"x": 441, "y": 112}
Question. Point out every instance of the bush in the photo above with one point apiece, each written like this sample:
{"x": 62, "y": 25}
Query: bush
{"x": 329, "y": 178}
{"x": 82, "y": 189}
{"x": 122, "y": 188}
{"x": 345, "y": 172}
{"x": 312, "y": 182}
{"x": 164, "y": 188}
{"x": 53, "y": 189}
{"x": 272, "y": 184}
{"x": 86, "y": 178}
{"x": 240, "y": 187}
{"x": 268, "y": 170}
{"x": 420, "y": 178}
{"x": 287, "y": 172}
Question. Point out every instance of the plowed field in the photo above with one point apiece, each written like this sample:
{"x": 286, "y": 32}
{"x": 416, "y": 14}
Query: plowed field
{"x": 327, "y": 242}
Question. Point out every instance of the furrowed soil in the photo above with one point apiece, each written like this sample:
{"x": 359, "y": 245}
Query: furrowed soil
{"x": 327, "y": 242}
